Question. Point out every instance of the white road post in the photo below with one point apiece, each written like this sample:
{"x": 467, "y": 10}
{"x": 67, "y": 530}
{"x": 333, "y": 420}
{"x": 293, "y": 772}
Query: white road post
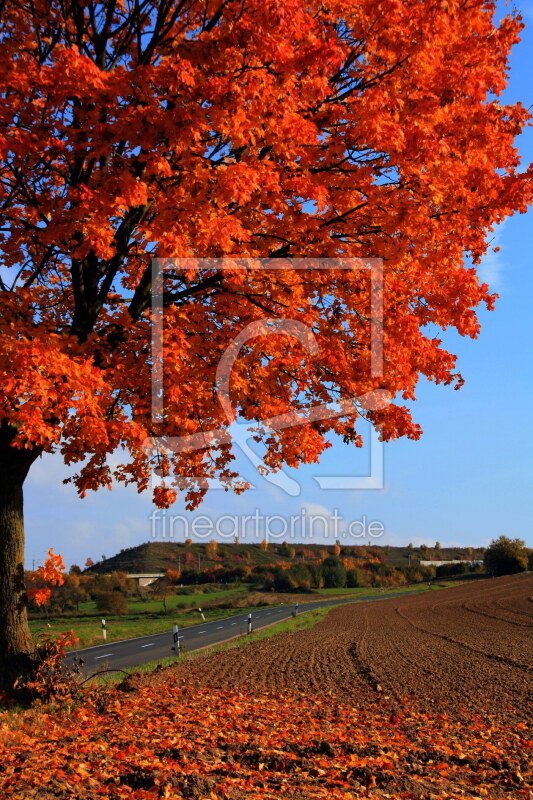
{"x": 176, "y": 640}
{"x": 202, "y": 613}
{"x": 249, "y": 623}
{"x": 104, "y": 631}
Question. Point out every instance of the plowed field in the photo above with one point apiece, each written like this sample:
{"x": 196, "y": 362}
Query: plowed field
{"x": 468, "y": 647}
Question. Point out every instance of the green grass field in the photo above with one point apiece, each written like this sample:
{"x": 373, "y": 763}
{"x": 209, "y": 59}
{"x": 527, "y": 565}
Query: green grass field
{"x": 145, "y": 618}
{"x": 176, "y": 601}
{"x": 373, "y": 591}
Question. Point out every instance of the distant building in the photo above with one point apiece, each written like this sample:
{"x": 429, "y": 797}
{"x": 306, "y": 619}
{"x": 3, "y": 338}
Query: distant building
{"x": 145, "y": 579}
{"x": 471, "y": 563}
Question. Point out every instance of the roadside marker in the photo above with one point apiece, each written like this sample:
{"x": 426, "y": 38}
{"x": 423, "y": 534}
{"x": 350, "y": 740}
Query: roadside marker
{"x": 104, "y": 631}
{"x": 176, "y": 640}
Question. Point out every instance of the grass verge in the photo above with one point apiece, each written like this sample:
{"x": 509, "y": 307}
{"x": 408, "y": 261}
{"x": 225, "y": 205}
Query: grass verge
{"x": 379, "y": 591}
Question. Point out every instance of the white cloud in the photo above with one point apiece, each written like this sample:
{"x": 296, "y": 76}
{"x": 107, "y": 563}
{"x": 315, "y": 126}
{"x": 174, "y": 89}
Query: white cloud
{"x": 316, "y": 509}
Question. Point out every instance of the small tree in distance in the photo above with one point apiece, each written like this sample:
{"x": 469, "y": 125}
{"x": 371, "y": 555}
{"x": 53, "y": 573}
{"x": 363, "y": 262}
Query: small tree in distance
{"x": 505, "y": 556}
{"x": 211, "y": 549}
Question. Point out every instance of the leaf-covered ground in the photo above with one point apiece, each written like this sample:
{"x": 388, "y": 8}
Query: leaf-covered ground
{"x": 425, "y": 698}
{"x": 170, "y": 741}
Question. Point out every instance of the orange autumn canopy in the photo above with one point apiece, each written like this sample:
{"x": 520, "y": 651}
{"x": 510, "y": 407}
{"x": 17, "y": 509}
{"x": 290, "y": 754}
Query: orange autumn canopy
{"x": 200, "y": 129}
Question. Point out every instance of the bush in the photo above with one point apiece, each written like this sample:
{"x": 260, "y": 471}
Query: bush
{"x": 354, "y": 578}
{"x": 334, "y": 573}
{"x": 112, "y": 603}
{"x": 506, "y": 556}
{"x": 446, "y": 570}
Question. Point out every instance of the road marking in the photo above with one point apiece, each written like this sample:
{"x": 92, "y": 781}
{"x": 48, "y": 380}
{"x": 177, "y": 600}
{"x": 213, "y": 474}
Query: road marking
{"x": 220, "y": 627}
{"x": 152, "y": 644}
{"x": 233, "y": 623}
{"x": 106, "y": 655}
{"x": 199, "y": 632}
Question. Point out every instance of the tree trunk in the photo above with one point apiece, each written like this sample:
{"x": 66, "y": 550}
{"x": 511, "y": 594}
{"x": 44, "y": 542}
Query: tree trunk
{"x": 15, "y": 640}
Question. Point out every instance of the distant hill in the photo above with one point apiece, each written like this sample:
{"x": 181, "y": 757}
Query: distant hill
{"x": 153, "y": 557}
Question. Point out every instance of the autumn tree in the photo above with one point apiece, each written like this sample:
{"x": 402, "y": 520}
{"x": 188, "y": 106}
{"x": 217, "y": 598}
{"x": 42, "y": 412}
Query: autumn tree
{"x": 211, "y": 549}
{"x": 505, "y": 556}
{"x": 172, "y": 576}
{"x": 260, "y": 130}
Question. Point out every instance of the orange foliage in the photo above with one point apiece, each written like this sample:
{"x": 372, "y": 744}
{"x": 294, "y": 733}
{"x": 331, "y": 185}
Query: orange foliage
{"x": 256, "y": 129}
{"x": 172, "y": 575}
{"x": 211, "y": 549}
{"x": 148, "y": 744}
{"x": 49, "y": 573}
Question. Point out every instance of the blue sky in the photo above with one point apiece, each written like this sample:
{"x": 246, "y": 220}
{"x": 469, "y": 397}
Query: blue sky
{"x": 466, "y": 481}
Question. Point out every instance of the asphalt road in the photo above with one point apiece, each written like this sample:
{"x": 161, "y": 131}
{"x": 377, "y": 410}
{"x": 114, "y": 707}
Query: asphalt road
{"x": 134, "y": 652}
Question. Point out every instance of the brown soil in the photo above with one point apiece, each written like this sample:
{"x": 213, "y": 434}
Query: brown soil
{"x": 468, "y": 648}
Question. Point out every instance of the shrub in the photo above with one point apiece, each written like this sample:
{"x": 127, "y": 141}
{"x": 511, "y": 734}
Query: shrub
{"x": 112, "y": 603}
{"x": 506, "y": 556}
{"x": 354, "y": 578}
{"x": 334, "y": 573}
